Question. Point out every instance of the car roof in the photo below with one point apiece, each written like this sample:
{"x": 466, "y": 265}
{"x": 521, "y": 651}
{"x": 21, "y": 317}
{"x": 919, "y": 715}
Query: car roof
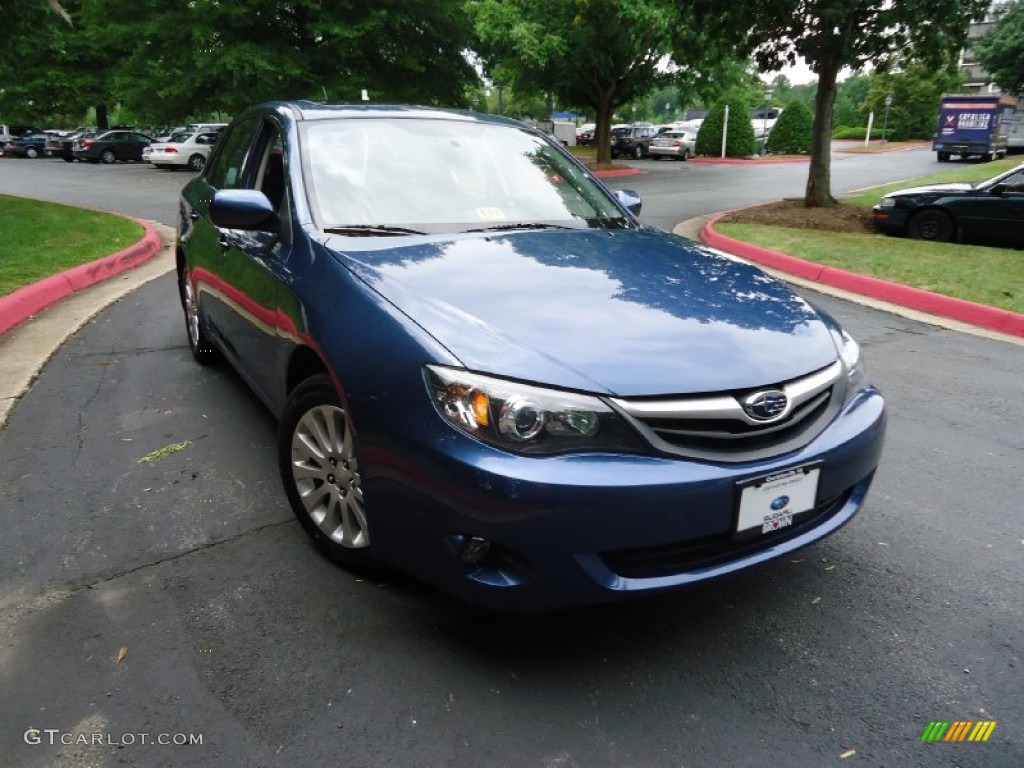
{"x": 311, "y": 110}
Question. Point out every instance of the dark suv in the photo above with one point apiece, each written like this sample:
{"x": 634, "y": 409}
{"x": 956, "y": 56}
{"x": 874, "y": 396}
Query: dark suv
{"x": 634, "y": 140}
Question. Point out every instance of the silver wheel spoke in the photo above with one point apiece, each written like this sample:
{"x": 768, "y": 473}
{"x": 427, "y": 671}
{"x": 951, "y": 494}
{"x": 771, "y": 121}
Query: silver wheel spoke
{"x": 324, "y": 471}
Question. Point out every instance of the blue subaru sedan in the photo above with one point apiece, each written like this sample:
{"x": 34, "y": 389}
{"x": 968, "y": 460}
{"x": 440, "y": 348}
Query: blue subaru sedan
{"x": 490, "y": 375}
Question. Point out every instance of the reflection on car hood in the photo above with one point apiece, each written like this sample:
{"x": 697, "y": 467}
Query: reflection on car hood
{"x": 934, "y": 189}
{"x": 626, "y": 312}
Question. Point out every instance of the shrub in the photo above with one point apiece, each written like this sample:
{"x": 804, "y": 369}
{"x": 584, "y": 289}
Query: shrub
{"x": 847, "y": 132}
{"x": 792, "y": 132}
{"x": 739, "y": 140}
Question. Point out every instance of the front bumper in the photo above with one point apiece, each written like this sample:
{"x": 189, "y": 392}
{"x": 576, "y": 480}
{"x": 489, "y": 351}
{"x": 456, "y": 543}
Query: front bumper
{"x": 892, "y": 221}
{"x": 581, "y": 529}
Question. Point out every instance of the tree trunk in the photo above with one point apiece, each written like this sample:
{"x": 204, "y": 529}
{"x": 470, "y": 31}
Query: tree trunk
{"x": 102, "y": 121}
{"x": 602, "y": 129}
{"x": 819, "y": 177}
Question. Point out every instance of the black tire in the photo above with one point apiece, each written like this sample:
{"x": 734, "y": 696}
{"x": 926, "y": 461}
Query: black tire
{"x": 108, "y": 157}
{"x": 68, "y": 159}
{"x": 93, "y": 160}
{"x": 686, "y": 155}
{"x": 203, "y": 352}
{"x": 655, "y": 157}
{"x": 943, "y": 157}
{"x": 932, "y": 224}
{"x": 323, "y": 485}
{"x": 31, "y": 153}
{"x": 638, "y": 152}
{"x": 196, "y": 162}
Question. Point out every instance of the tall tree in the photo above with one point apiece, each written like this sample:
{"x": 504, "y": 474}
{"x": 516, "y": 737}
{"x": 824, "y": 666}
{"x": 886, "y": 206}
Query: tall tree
{"x": 599, "y": 54}
{"x": 1001, "y": 51}
{"x": 832, "y": 34}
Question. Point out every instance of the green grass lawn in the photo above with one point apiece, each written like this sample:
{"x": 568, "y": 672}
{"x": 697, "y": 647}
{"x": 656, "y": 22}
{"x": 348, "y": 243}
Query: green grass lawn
{"x": 993, "y": 276}
{"x": 40, "y": 239}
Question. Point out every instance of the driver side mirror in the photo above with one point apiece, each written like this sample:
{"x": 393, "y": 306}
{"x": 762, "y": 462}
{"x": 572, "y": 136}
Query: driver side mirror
{"x": 246, "y": 209}
{"x": 999, "y": 189}
{"x": 630, "y": 199}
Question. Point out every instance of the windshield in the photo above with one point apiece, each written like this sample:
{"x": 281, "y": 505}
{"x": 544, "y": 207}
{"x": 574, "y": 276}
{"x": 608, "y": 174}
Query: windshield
{"x": 436, "y": 175}
{"x": 180, "y": 138}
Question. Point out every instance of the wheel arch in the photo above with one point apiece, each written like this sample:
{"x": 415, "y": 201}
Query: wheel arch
{"x": 305, "y": 363}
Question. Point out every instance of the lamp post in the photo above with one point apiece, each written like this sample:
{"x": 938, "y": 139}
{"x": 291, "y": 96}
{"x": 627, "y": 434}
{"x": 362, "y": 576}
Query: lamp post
{"x": 768, "y": 93}
{"x": 885, "y": 122}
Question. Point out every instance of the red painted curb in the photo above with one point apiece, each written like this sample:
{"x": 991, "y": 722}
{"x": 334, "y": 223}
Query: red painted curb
{"x": 613, "y": 174}
{"x": 19, "y": 306}
{"x": 1002, "y": 320}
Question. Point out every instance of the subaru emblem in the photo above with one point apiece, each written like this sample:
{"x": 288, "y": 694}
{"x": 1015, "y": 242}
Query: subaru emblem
{"x": 780, "y": 503}
{"x": 766, "y": 405}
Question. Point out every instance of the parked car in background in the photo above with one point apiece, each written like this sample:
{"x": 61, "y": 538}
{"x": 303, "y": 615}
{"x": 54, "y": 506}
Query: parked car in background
{"x": 61, "y": 145}
{"x": 30, "y": 145}
{"x": 585, "y": 134}
{"x": 573, "y": 408}
{"x": 634, "y": 140}
{"x": 8, "y": 132}
{"x": 678, "y": 145}
{"x": 189, "y": 148}
{"x": 111, "y": 146}
{"x": 991, "y": 210}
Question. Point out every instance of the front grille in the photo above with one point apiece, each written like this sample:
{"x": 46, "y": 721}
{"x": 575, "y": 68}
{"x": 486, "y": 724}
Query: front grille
{"x": 671, "y": 559}
{"x": 716, "y": 427}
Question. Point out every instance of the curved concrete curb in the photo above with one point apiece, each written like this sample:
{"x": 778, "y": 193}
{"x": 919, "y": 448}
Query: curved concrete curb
{"x": 1001, "y": 320}
{"x": 748, "y": 160}
{"x": 19, "y": 306}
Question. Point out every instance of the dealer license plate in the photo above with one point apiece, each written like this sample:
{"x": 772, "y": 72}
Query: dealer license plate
{"x": 770, "y": 502}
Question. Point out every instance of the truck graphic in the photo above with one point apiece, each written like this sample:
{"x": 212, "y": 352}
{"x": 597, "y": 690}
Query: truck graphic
{"x": 973, "y": 124}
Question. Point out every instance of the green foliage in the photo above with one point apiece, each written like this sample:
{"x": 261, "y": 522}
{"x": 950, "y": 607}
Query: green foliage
{"x": 167, "y": 62}
{"x": 1001, "y": 52}
{"x": 833, "y": 34}
{"x": 850, "y": 96}
{"x": 739, "y": 137}
{"x": 792, "y": 132}
{"x": 597, "y": 54}
{"x": 860, "y": 133}
{"x": 916, "y": 93}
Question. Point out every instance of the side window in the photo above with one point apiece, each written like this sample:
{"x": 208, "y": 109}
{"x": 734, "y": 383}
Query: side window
{"x": 227, "y": 167}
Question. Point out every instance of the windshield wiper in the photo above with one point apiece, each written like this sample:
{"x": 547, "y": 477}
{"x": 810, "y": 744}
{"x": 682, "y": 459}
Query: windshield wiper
{"x": 523, "y": 225}
{"x": 371, "y": 230}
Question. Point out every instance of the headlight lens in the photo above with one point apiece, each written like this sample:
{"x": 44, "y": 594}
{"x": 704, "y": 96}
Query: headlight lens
{"x": 887, "y": 202}
{"x": 527, "y": 419}
{"x": 849, "y": 352}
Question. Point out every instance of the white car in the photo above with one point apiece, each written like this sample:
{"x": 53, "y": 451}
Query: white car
{"x": 188, "y": 148}
{"x": 677, "y": 144}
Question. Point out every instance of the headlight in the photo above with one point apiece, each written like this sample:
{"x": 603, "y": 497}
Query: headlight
{"x": 853, "y": 361}
{"x": 887, "y": 202}
{"x": 527, "y": 419}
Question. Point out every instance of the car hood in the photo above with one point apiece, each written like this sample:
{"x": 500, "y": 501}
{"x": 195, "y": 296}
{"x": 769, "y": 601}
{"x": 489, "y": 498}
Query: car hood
{"x": 625, "y": 312}
{"x": 934, "y": 189}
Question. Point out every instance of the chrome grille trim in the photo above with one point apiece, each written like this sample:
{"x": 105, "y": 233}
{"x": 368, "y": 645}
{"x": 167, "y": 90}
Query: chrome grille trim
{"x": 673, "y": 425}
{"x": 798, "y": 391}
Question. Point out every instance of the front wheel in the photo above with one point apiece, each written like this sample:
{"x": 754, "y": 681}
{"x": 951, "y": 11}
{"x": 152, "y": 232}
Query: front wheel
{"x": 320, "y": 470}
{"x": 202, "y": 350}
{"x": 31, "y": 153}
{"x": 638, "y": 152}
{"x": 944, "y": 157}
{"x": 932, "y": 224}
